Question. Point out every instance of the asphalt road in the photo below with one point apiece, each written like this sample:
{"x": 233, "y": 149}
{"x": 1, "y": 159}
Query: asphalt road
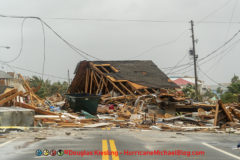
{"x": 120, "y": 144}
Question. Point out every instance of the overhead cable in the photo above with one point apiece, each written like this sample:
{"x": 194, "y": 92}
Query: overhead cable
{"x": 77, "y": 50}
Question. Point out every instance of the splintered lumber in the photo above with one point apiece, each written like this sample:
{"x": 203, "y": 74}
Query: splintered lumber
{"x": 11, "y": 92}
{"x": 37, "y": 110}
{"x": 86, "y": 81}
{"x": 226, "y": 111}
{"x": 91, "y": 82}
{"x": 104, "y": 69}
{"x": 236, "y": 112}
{"x": 97, "y": 125}
{"x": 101, "y": 73}
{"x": 118, "y": 98}
{"x": 195, "y": 106}
{"x": 201, "y": 127}
{"x": 146, "y": 91}
{"x": 216, "y": 115}
{"x": 204, "y": 105}
{"x": 222, "y": 114}
{"x": 30, "y": 90}
{"x": 127, "y": 89}
{"x": 47, "y": 117}
{"x": 71, "y": 116}
{"x": 101, "y": 81}
{"x": 95, "y": 78}
{"x": 67, "y": 124}
{"x": 10, "y": 97}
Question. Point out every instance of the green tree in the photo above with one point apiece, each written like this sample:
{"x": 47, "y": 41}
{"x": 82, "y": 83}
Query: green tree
{"x": 209, "y": 94}
{"x": 233, "y": 91}
{"x": 219, "y": 91}
{"x": 47, "y": 88}
{"x": 235, "y": 79}
{"x": 189, "y": 91}
{"x": 58, "y": 87}
{"x": 229, "y": 97}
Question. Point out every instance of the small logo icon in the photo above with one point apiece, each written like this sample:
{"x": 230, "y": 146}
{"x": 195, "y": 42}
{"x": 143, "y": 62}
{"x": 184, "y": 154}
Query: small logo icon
{"x": 45, "y": 152}
{"x": 60, "y": 152}
{"x": 53, "y": 152}
{"x": 38, "y": 152}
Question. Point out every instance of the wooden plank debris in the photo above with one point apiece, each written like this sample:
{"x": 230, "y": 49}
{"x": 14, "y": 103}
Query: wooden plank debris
{"x": 36, "y": 109}
{"x": 97, "y": 125}
{"x": 8, "y": 93}
{"x": 11, "y": 97}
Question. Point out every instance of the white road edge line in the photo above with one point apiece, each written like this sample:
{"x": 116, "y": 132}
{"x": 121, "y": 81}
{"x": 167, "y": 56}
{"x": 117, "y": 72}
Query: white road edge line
{"x": 3, "y": 144}
{"x": 220, "y": 150}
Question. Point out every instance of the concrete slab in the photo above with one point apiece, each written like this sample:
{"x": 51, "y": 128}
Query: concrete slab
{"x": 16, "y": 116}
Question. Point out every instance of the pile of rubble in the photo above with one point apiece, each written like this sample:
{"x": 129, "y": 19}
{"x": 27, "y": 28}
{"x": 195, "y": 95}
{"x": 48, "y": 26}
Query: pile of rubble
{"x": 151, "y": 112}
{"x": 157, "y": 111}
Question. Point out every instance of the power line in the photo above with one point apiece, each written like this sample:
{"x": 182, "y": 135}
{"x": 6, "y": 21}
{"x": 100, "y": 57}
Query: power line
{"x": 35, "y": 72}
{"x": 77, "y": 50}
{"x": 177, "y": 63}
{"x": 209, "y": 77}
{"x": 213, "y": 52}
{"x": 22, "y": 41}
{"x": 214, "y": 11}
{"x": 143, "y": 20}
{"x": 182, "y": 65}
{"x": 44, "y": 49}
{"x": 220, "y": 22}
{"x": 182, "y": 69}
{"x": 140, "y": 20}
{"x": 31, "y": 71}
{"x": 223, "y": 45}
{"x": 224, "y": 53}
{"x": 117, "y": 20}
{"x": 182, "y": 33}
{"x": 21, "y": 45}
{"x": 202, "y": 21}
{"x": 160, "y": 45}
{"x": 229, "y": 24}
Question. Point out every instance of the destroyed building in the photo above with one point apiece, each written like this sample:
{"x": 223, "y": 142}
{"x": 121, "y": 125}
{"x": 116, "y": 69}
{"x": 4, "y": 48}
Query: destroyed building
{"x": 119, "y": 78}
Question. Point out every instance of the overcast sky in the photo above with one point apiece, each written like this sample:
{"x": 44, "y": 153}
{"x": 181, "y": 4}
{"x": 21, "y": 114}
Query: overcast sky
{"x": 122, "y": 40}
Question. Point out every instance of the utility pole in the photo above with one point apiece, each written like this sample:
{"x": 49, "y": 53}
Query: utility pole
{"x": 194, "y": 60}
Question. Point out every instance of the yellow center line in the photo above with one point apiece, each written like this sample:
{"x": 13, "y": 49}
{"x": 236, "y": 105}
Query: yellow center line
{"x": 105, "y": 149}
{"x": 113, "y": 150}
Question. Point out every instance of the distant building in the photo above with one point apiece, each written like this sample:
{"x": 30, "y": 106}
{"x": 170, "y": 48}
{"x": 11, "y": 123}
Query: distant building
{"x": 10, "y": 80}
{"x": 5, "y": 78}
{"x": 223, "y": 86}
{"x": 16, "y": 81}
{"x": 184, "y": 81}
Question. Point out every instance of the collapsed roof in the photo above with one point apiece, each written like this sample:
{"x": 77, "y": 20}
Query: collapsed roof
{"x": 127, "y": 76}
{"x": 141, "y": 72}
